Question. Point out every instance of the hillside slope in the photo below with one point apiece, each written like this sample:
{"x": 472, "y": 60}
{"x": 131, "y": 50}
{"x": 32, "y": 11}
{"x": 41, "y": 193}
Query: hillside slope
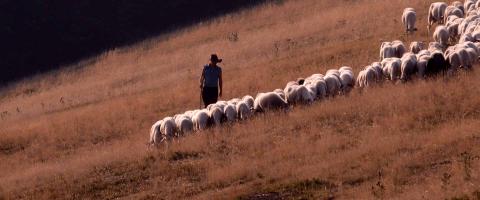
{"x": 82, "y": 133}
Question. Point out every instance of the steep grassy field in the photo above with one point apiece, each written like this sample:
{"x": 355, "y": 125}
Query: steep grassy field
{"x": 81, "y": 133}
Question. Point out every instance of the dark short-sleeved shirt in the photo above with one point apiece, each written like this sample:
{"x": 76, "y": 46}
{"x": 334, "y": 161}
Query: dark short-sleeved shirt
{"x": 211, "y": 75}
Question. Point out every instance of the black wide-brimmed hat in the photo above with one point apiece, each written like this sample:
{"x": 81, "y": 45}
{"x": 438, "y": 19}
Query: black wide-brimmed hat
{"x": 214, "y": 58}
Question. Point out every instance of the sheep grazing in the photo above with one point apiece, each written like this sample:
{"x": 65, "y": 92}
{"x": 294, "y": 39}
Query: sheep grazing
{"x": 409, "y": 66}
{"x": 201, "y": 120}
{"x": 459, "y": 5}
{"x": 441, "y": 35}
{"x": 234, "y": 101}
{"x": 216, "y": 115}
{"x": 435, "y": 13}
{"x": 366, "y": 78}
{"x": 452, "y": 11}
{"x": 387, "y": 50}
{"x": 243, "y": 111}
{"x": 163, "y": 130}
{"x": 155, "y": 133}
{"x": 422, "y": 60}
{"x": 469, "y": 5}
{"x": 184, "y": 125}
{"x": 249, "y": 100}
{"x": 333, "y": 85}
{"x": 317, "y": 82}
{"x": 452, "y": 24}
{"x": 392, "y": 49}
{"x": 269, "y": 101}
{"x": 230, "y": 113}
{"x": 409, "y": 18}
{"x": 434, "y": 46}
{"x": 416, "y": 47}
{"x": 377, "y": 67}
{"x": 347, "y": 79}
{"x": 391, "y": 68}
{"x": 436, "y": 64}
{"x": 295, "y": 94}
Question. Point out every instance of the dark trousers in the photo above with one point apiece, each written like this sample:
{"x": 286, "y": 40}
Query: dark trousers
{"x": 209, "y": 95}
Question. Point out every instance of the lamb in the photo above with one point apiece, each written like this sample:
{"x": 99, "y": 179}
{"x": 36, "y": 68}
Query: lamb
{"x": 230, "y": 113}
{"x": 441, "y": 35}
{"x": 269, "y": 101}
{"x": 201, "y": 120}
{"x": 416, "y": 47}
{"x": 409, "y": 18}
{"x": 435, "y": 13}
{"x": 409, "y": 66}
{"x": 243, "y": 111}
{"x": 184, "y": 125}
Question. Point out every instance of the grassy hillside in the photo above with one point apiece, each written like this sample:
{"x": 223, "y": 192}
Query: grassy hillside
{"x": 82, "y": 133}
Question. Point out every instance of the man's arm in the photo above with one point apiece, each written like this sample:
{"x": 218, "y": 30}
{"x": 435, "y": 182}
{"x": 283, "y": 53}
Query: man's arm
{"x": 202, "y": 77}
{"x": 220, "y": 83}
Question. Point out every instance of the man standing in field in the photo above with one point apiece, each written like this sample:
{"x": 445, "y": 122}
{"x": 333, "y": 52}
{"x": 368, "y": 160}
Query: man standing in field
{"x": 211, "y": 81}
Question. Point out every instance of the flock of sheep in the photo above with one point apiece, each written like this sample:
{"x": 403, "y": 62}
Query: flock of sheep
{"x": 456, "y": 46}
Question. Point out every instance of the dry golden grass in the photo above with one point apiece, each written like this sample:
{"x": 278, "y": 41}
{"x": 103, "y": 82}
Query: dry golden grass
{"x": 82, "y": 133}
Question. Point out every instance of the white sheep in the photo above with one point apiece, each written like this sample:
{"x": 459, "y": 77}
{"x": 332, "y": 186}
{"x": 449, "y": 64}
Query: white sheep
{"x": 409, "y": 17}
{"x": 295, "y": 93}
{"x": 366, "y": 78}
{"x": 441, "y": 35}
{"x": 434, "y": 46}
{"x": 163, "y": 130}
{"x": 201, "y": 119}
{"x": 230, "y": 113}
{"x": 409, "y": 66}
{"x": 243, "y": 111}
{"x": 459, "y": 5}
{"x": 333, "y": 85}
{"x": 377, "y": 67}
{"x": 216, "y": 114}
{"x": 392, "y": 68}
{"x": 269, "y": 101}
{"x": 452, "y": 11}
{"x": 249, "y": 101}
{"x": 184, "y": 125}
{"x": 416, "y": 47}
{"x": 280, "y": 92}
{"x": 347, "y": 79}
{"x": 435, "y": 13}
{"x": 387, "y": 50}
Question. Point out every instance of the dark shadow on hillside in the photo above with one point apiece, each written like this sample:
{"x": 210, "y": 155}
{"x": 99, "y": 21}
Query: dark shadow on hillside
{"x": 41, "y": 35}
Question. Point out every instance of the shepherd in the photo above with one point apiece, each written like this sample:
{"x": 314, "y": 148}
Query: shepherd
{"x": 211, "y": 81}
